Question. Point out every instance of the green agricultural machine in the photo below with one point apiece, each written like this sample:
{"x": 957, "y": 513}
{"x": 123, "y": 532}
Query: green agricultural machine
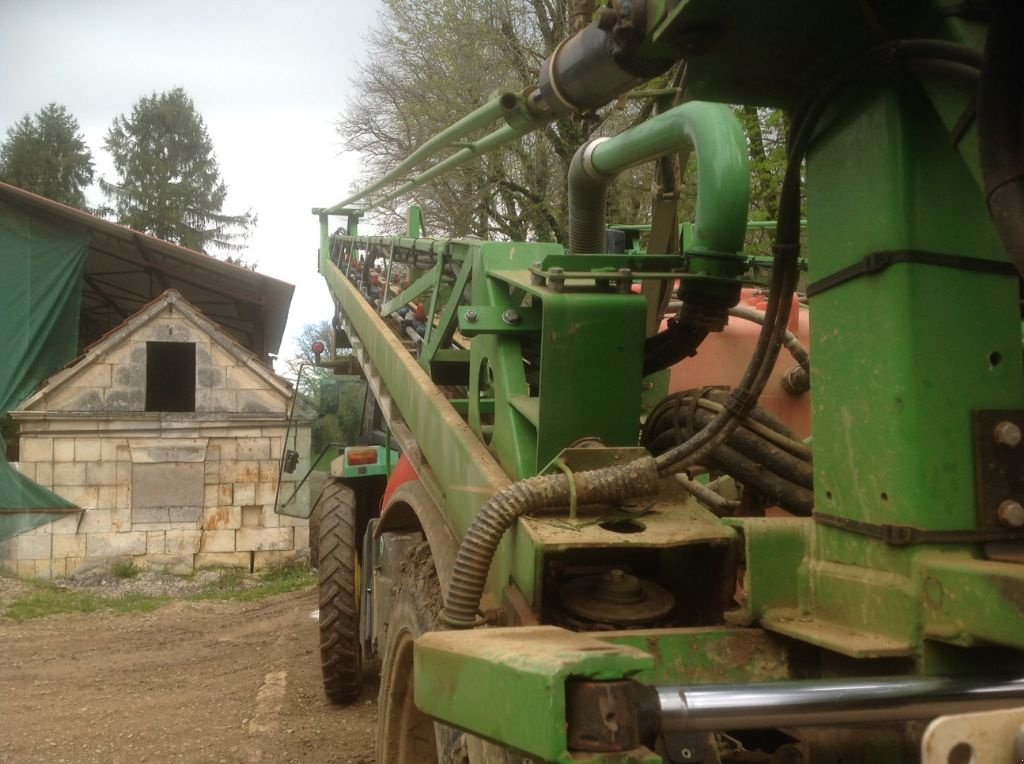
{"x": 572, "y": 562}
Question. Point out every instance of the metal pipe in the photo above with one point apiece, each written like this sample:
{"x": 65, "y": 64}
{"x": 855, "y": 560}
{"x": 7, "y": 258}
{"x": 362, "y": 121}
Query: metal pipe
{"x": 723, "y": 174}
{"x": 506, "y": 105}
{"x": 831, "y": 702}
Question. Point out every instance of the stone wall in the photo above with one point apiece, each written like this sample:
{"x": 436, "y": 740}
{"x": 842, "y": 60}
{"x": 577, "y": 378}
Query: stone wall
{"x": 178, "y": 503}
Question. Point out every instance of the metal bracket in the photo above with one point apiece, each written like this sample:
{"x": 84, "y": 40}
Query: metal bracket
{"x": 999, "y": 469}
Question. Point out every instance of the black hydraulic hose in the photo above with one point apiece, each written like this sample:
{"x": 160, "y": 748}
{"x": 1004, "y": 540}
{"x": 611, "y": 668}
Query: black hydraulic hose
{"x": 787, "y": 239}
{"x": 790, "y": 341}
{"x": 667, "y": 348}
{"x": 603, "y": 486}
{"x": 1000, "y": 126}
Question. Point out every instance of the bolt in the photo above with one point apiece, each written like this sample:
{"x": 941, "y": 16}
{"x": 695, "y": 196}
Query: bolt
{"x": 686, "y": 753}
{"x": 535, "y": 278}
{"x": 625, "y": 280}
{"x": 1007, "y": 434}
{"x": 556, "y": 278}
{"x": 1011, "y": 514}
{"x": 471, "y": 316}
{"x": 617, "y": 575}
{"x": 511, "y": 317}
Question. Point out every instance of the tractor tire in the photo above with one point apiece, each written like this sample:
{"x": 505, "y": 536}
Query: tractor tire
{"x": 406, "y": 735}
{"x": 339, "y": 571}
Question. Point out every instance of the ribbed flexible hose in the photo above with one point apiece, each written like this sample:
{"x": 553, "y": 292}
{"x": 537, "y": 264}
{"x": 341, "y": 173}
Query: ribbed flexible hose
{"x": 603, "y": 486}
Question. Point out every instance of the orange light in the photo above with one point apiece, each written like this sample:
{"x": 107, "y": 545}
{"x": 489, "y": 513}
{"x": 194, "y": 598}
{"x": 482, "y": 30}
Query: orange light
{"x": 356, "y": 456}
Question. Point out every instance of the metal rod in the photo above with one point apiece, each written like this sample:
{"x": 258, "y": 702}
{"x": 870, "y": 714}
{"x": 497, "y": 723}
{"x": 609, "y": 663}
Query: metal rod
{"x": 475, "y": 120}
{"x": 831, "y": 701}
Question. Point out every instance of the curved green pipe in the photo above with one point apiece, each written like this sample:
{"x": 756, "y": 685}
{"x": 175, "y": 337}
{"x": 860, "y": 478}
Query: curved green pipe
{"x": 714, "y": 134}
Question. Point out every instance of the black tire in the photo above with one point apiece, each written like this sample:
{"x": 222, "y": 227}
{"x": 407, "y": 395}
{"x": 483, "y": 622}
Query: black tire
{"x": 338, "y": 567}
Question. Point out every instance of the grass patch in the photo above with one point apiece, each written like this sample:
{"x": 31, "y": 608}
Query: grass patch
{"x": 124, "y": 569}
{"x": 46, "y": 599}
{"x": 236, "y": 586}
{"x": 233, "y": 584}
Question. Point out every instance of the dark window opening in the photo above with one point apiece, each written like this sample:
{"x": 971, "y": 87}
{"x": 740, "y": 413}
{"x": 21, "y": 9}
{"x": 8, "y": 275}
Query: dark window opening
{"x": 170, "y": 376}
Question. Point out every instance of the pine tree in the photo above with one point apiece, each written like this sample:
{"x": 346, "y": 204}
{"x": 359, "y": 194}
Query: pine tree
{"x": 168, "y": 183}
{"x": 47, "y": 155}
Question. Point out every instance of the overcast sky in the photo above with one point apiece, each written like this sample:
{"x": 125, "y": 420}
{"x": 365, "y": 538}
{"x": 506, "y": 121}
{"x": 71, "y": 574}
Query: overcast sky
{"x": 269, "y": 78}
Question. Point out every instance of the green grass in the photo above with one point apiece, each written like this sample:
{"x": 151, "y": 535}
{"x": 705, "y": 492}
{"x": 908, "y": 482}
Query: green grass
{"x": 277, "y": 580}
{"x": 45, "y": 598}
{"x": 124, "y": 570}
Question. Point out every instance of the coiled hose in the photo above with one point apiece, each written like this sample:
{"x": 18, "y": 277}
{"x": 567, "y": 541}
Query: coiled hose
{"x": 778, "y": 467}
{"x": 604, "y": 486}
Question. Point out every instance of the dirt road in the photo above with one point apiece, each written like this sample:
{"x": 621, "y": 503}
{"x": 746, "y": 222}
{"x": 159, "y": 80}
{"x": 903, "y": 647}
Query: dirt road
{"x": 192, "y": 682}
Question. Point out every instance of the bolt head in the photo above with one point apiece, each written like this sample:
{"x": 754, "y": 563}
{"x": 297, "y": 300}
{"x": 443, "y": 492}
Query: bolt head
{"x": 511, "y": 317}
{"x": 1011, "y": 514}
{"x": 471, "y": 316}
{"x": 1007, "y": 434}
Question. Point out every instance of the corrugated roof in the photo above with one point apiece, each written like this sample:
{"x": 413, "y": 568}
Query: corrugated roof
{"x": 127, "y": 269}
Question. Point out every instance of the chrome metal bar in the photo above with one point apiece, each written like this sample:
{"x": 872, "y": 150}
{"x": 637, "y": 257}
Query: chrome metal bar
{"x": 831, "y": 701}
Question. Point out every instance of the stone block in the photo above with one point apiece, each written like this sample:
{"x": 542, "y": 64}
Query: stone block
{"x": 33, "y": 547}
{"x": 188, "y": 516}
{"x": 121, "y": 520}
{"x": 182, "y": 541}
{"x": 170, "y": 484}
{"x": 222, "y": 560}
{"x": 160, "y": 450}
{"x": 263, "y": 539}
{"x": 8, "y": 566}
{"x": 26, "y": 568}
{"x": 227, "y": 447}
{"x": 264, "y": 560}
{"x": 28, "y": 469}
{"x": 211, "y": 495}
{"x": 241, "y": 378}
{"x": 301, "y": 537}
{"x": 261, "y": 402}
{"x": 218, "y": 541}
{"x": 68, "y": 544}
{"x": 268, "y": 517}
{"x": 36, "y": 449}
{"x": 94, "y": 375}
{"x": 44, "y": 568}
{"x": 116, "y": 544}
{"x": 44, "y": 474}
{"x": 58, "y": 567}
{"x": 107, "y": 497}
{"x": 270, "y": 468}
{"x": 253, "y": 449}
{"x": 213, "y": 453}
{"x": 175, "y": 564}
{"x": 124, "y": 496}
{"x": 65, "y": 524}
{"x": 239, "y": 471}
{"x": 209, "y": 376}
{"x": 73, "y": 564}
{"x": 123, "y": 472}
{"x": 84, "y": 496}
{"x": 221, "y": 518}
{"x": 97, "y": 521}
{"x": 293, "y": 522}
{"x": 150, "y": 515}
{"x": 211, "y": 473}
{"x": 124, "y": 399}
{"x": 68, "y": 473}
{"x": 64, "y": 449}
{"x": 266, "y": 493}
{"x": 124, "y": 453}
{"x": 101, "y": 473}
{"x": 87, "y": 449}
{"x": 108, "y": 449}
{"x": 225, "y": 494}
{"x": 244, "y": 493}
{"x": 252, "y": 516}
{"x": 155, "y": 542}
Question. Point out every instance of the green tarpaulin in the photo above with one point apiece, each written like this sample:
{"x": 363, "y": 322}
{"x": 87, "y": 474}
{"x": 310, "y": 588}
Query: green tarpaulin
{"x": 41, "y": 270}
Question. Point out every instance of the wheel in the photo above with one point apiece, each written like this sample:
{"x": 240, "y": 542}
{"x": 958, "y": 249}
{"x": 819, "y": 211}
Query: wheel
{"x": 339, "y": 570}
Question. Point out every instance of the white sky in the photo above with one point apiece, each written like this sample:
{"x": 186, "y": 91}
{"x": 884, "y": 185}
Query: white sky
{"x": 269, "y": 78}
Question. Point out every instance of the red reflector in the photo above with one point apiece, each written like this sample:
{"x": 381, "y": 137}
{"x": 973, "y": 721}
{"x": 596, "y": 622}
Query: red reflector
{"x": 361, "y": 456}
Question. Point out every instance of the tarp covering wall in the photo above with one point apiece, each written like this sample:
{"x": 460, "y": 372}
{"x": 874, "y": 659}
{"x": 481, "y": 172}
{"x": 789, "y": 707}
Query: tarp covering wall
{"x": 41, "y": 272}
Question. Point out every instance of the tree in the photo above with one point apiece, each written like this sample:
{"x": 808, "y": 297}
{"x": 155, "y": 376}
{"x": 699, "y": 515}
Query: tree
{"x": 169, "y": 184}
{"x": 423, "y": 71}
{"x": 47, "y": 155}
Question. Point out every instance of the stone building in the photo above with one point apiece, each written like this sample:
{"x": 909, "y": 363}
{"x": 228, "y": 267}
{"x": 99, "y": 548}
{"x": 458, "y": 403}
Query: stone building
{"x": 167, "y": 434}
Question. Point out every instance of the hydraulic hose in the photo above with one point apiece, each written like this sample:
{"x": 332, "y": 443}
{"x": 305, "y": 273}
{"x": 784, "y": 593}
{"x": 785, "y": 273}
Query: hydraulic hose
{"x": 950, "y": 60}
{"x": 603, "y": 486}
{"x": 1000, "y": 126}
